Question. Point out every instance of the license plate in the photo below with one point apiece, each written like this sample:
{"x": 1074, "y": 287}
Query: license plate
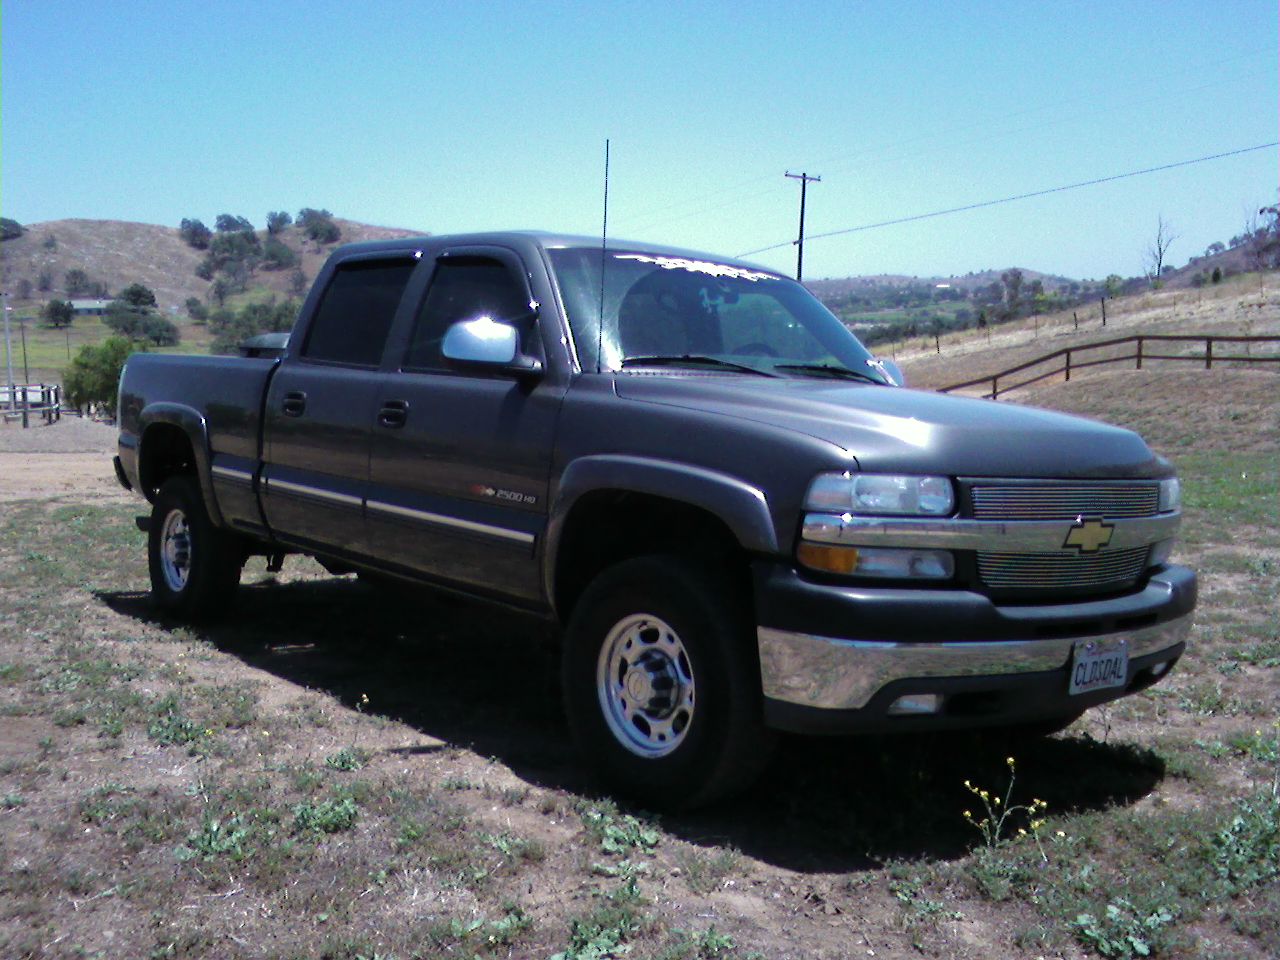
{"x": 1099, "y": 664}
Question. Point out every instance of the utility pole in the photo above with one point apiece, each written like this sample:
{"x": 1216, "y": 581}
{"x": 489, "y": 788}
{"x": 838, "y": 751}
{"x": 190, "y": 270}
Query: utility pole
{"x": 8, "y": 353}
{"x": 804, "y": 179}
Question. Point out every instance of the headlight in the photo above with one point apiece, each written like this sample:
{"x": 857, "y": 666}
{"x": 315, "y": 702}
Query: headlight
{"x": 1170, "y": 495}
{"x": 882, "y": 494}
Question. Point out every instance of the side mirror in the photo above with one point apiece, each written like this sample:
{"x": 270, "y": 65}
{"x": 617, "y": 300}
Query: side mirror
{"x": 487, "y": 343}
{"x": 892, "y": 372}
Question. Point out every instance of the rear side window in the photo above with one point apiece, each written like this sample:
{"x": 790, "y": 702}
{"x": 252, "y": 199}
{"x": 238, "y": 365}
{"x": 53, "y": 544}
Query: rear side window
{"x": 356, "y": 311}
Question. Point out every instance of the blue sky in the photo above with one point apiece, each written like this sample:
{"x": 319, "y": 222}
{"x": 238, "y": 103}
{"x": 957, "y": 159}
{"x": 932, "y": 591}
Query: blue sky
{"x": 451, "y": 117}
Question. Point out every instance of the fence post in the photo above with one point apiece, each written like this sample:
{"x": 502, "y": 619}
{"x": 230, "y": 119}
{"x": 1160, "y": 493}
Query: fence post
{"x": 1139, "y": 353}
{"x": 1208, "y": 352}
{"x": 995, "y": 388}
{"x": 1068, "y": 368}
{"x": 1075, "y": 318}
{"x": 1103, "y": 301}
{"x": 937, "y": 344}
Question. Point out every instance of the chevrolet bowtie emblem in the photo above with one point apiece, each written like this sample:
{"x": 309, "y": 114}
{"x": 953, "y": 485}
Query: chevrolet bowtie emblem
{"x": 1088, "y": 536}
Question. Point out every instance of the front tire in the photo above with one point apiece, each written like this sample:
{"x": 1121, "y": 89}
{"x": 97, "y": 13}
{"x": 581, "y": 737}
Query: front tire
{"x": 661, "y": 683}
{"x": 194, "y": 566}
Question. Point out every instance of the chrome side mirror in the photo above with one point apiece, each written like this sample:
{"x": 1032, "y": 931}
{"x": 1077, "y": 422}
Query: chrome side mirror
{"x": 485, "y": 342}
{"x": 481, "y": 340}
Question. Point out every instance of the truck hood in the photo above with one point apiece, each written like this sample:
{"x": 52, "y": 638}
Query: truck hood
{"x": 895, "y": 429}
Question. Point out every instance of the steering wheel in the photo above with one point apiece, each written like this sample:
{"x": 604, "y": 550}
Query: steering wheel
{"x": 755, "y": 349}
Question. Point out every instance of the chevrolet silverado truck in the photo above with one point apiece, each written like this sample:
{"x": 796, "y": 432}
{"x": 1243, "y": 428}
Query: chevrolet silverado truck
{"x": 736, "y": 517}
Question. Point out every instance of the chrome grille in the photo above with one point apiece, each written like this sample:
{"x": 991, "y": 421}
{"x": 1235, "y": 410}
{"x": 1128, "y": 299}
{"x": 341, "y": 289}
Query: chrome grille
{"x": 1066, "y": 570}
{"x": 1063, "y": 501}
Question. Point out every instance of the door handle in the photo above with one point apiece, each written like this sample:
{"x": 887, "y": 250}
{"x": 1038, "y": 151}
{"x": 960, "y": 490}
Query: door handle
{"x": 294, "y": 403}
{"x": 393, "y": 414}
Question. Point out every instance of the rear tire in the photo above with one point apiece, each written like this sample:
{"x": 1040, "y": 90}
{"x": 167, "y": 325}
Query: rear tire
{"x": 194, "y": 566}
{"x": 661, "y": 683}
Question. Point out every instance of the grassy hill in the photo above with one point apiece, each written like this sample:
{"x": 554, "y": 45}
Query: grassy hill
{"x": 1246, "y": 304}
{"x": 119, "y": 253}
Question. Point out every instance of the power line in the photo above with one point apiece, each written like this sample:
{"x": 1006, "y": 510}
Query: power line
{"x": 1021, "y": 196}
{"x": 664, "y": 214}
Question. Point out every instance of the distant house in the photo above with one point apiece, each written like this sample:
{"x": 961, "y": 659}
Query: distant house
{"x": 89, "y": 308}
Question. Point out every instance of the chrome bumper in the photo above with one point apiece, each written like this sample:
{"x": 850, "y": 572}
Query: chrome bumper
{"x": 833, "y": 674}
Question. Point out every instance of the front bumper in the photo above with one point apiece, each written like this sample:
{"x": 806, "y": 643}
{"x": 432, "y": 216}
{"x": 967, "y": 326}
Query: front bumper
{"x": 837, "y": 659}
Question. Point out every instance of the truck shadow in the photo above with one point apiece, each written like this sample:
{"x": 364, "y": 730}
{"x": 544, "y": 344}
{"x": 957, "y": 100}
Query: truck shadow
{"x": 488, "y": 681}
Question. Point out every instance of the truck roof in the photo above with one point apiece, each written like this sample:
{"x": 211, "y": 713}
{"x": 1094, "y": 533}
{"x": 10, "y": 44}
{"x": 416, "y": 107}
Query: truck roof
{"x": 547, "y": 240}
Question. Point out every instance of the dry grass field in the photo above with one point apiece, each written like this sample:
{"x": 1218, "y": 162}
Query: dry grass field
{"x": 332, "y": 772}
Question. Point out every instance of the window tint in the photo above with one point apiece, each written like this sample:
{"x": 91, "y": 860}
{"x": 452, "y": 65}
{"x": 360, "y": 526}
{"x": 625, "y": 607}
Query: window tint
{"x": 356, "y": 312}
{"x": 464, "y": 288}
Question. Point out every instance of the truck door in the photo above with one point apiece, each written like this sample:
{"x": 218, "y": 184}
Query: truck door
{"x": 320, "y": 407}
{"x": 460, "y": 459}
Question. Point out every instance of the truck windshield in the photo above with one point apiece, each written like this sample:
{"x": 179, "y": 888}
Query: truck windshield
{"x": 664, "y": 307}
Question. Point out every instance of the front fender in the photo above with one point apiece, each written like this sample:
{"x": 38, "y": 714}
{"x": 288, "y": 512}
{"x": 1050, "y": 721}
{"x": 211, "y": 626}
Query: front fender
{"x": 742, "y": 507}
{"x": 196, "y": 429}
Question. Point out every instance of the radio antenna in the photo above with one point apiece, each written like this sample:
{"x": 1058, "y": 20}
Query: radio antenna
{"x": 604, "y": 243}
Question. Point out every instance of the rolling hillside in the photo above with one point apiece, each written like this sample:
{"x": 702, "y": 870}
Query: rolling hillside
{"x": 119, "y": 253}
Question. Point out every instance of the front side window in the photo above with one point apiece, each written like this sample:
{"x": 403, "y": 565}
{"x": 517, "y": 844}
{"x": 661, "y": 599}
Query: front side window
{"x": 466, "y": 288}
{"x": 355, "y": 314}
{"x": 665, "y": 307}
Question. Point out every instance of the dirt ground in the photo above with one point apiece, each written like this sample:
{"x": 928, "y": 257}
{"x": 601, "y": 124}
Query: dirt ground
{"x": 70, "y": 456}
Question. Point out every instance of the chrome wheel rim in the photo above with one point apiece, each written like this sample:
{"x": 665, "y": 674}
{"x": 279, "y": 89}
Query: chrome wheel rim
{"x": 645, "y": 682}
{"x": 175, "y": 550}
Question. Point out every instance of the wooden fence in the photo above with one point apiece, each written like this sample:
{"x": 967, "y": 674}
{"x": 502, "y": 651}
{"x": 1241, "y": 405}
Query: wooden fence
{"x": 25, "y": 400}
{"x": 1067, "y": 360}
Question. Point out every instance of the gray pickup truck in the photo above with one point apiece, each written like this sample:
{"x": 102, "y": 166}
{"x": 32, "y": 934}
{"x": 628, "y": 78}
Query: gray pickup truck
{"x": 741, "y": 521}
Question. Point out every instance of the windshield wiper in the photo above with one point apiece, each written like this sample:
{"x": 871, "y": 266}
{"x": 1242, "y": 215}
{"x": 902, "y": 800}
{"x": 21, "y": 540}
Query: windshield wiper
{"x": 693, "y": 360}
{"x": 830, "y": 370}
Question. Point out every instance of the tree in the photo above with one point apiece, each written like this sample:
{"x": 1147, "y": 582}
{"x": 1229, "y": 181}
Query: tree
{"x": 318, "y": 225}
{"x": 229, "y": 328}
{"x": 1112, "y": 284}
{"x": 1158, "y": 249}
{"x": 277, "y": 221}
{"x": 1263, "y": 245}
{"x": 277, "y": 256}
{"x": 1012, "y": 280}
{"x": 231, "y": 223}
{"x": 44, "y": 281}
{"x": 22, "y": 289}
{"x": 58, "y": 313}
{"x": 1214, "y": 248}
{"x": 298, "y": 283}
{"x": 160, "y": 331}
{"x": 50, "y": 242}
{"x": 125, "y": 320}
{"x": 196, "y": 310}
{"x": 136, "y": 295}
{"x": 75, "y": 282}
{"x": 93, "y": 376}
{"x": 195, "y": 233}
{"x": 10, "y": 229}
{"x": 220, "y": 290}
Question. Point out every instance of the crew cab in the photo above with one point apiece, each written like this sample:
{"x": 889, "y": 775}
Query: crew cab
{"x": 735, "y": 516}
